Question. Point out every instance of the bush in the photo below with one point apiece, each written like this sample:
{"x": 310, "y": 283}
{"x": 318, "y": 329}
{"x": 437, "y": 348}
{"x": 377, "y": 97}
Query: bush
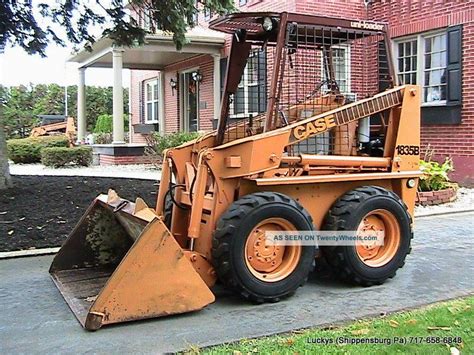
{"x": 157, "y": 143}
{"x": 104, "y": 124}
{"x": 28, "y": 150}
{"x": 435, "y": 176}
{"x": 107, "y": 138}
{"x": 57, "y": 157}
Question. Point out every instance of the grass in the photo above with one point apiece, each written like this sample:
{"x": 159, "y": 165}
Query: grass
{"x": 428, "y": 330}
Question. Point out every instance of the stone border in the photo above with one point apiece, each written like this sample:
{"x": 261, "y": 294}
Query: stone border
{"x": 431, "y": 198}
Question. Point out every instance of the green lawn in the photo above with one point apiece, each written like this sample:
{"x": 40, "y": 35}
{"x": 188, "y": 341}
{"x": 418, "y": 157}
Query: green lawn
{"x": 422, "y": 331}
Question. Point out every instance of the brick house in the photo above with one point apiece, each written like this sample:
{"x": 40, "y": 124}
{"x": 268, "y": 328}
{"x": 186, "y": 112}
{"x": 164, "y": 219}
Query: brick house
{"x": 441, "y": 32}
{"x": 432, "y": 45}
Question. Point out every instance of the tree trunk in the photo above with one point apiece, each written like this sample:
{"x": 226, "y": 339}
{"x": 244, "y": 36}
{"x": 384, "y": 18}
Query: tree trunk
{"x": 5, "y": 179}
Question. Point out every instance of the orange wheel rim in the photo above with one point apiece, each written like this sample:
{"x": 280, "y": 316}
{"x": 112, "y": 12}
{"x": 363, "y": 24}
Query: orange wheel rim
{"x": 379, "y": 221}
{"x": 270, "y": 263}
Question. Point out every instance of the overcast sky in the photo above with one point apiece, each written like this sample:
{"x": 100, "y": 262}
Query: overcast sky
{"x": 17, "y": 67}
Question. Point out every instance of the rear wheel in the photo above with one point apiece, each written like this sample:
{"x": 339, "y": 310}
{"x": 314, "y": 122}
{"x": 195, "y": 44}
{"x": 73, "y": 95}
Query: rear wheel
{"x": 365, "y": 210}
{"x": 245, "y": 264}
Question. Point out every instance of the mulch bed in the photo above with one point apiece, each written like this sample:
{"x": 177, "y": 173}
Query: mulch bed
{"x": 40, "y": 211}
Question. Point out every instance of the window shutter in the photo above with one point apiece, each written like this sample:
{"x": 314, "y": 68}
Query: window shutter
{"x": 223, "y": 69}
{"x": 141, "y": 101}
{"x": 262, "y": 81}
{"x": 454, "y": 70}
{"x": 384, "y": 72}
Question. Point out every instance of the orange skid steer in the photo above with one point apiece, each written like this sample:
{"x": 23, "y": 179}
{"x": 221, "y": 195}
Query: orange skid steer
{"x": 310, "y": 138}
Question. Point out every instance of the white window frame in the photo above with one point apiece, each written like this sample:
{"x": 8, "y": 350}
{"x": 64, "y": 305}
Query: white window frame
{"x": 347, "y": 60}
{"x": 245, "y": 84}
{"x": 420, "y": 61}
{"x": 155, "y": 82}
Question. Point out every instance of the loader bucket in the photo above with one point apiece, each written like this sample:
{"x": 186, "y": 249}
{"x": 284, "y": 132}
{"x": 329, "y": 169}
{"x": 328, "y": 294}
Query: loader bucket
{"x": 121, "y": 263}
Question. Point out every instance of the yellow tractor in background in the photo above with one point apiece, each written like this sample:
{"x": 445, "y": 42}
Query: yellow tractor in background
{"x": 306, "y": 150}
{"x": 67, "y": 127}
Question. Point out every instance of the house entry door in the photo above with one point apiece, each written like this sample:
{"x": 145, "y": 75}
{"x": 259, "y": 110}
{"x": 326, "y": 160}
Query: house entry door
{"x": 190, "y": 102}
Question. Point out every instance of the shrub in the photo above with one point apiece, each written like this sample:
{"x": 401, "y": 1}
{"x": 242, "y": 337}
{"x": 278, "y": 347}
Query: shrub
{"x": 28, "y": 150}
{"x": 435, "y": 175}
{"x": 57, "y": 157}
{"x": 157, "y": 143}
{"x": 107, "y": 138}
{"x": 104, "y": 123}
{"x": 161, "y": 142}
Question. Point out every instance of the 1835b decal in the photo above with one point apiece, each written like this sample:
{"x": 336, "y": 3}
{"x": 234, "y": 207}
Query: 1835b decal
{"x": 408, "y": 150}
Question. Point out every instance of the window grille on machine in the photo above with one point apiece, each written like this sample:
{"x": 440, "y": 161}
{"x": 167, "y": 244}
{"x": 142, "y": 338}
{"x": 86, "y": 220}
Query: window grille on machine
{"x": 321, "y": 68}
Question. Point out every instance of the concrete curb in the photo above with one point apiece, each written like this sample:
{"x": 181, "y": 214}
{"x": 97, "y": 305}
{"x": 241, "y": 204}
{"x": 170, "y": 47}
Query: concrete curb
{"x": 30, "y": 252}
{"x": 48, "y": 251}
{"x": 444, "y": 213}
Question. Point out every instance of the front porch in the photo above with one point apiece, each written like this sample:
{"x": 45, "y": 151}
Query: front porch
{"x": 161, "y": 82}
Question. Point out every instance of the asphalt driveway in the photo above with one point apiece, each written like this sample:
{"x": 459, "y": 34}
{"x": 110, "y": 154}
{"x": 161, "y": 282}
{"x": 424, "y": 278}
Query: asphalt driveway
{"x": 35, "y": 319}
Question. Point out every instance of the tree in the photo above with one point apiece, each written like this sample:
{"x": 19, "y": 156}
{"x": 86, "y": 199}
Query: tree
{"x": 19, "y": 26}
{"x": 23, "y": 104}
{"x": 5, "y": 179}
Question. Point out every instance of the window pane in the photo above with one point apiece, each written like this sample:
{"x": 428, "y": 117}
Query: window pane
{"x": 436, "y": 44}
{"x": 428, "y": 61}
{"x": 400, "y": 64}
{"x": 155, "y": 113}
{"x": 149, "y": 92}
{"x": 155, "y": 86}
{"x": 443, "y": 92}
{"x": 239, "y": 101}
{"x": 400, "y": 49}
{"x": 149, "y": 111}
{"x": 407, "y": 62}
{"x": 428, "y": 45}
{"x": 253, "y": 99}
{"x": 436, "y": 59}
{"x": 435, "y": 68}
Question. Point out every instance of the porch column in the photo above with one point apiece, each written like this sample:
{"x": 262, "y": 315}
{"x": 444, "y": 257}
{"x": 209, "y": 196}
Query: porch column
{"x": 81, "y": 105}
{"x": 217, "y": 86}
{"x": 161, "y": 103}
{"x": 118, "y": 122}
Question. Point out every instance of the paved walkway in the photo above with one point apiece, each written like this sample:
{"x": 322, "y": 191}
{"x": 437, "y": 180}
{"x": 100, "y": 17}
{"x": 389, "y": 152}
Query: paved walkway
{"x": 35, "y": 318}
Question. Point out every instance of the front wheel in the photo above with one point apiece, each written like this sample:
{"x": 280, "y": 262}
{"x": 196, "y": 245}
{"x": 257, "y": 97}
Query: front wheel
{"x": 368, "y": 209}
{"x": 243, "y": 261}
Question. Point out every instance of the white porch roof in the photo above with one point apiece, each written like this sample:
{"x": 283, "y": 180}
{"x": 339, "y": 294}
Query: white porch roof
{"x": 157, "y": 52}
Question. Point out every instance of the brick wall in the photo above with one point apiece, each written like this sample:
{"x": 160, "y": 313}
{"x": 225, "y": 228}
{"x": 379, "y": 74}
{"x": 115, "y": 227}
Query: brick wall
{"x": 136, "y": 79}
{"x": 205, "y": 64}
{"x": 404, "y": 17}
{"x": 409, "y": 17}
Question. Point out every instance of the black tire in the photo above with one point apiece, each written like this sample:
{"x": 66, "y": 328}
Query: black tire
{"x": 230, "y": 236}
{"x": 346, "y": 215}
{"x": 168, "y": 211}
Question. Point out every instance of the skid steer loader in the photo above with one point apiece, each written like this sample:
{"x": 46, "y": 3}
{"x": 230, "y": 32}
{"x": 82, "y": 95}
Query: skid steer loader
{"x": 314, "y": 134}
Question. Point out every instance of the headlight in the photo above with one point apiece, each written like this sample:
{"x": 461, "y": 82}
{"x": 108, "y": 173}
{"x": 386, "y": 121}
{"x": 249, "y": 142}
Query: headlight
{"x": 267, "y": 24}
{"x": 411, "y": 183}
